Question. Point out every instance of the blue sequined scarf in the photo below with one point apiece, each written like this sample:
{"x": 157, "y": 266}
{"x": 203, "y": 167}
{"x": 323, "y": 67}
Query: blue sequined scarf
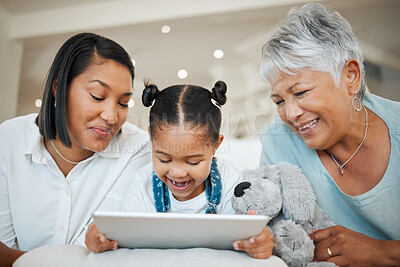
{"x": 213, "y": 191}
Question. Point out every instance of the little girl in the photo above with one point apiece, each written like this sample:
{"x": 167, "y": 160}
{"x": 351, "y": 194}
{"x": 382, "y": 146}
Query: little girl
{"x": 184, "y": 176}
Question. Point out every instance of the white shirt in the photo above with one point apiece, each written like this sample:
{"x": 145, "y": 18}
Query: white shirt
{"x": 140, "y": 193}
{"x": 38, "y": 205}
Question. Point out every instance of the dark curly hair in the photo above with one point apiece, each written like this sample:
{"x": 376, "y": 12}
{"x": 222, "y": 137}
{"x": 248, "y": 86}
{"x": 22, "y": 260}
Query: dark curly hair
{"x": 191, "y": 104}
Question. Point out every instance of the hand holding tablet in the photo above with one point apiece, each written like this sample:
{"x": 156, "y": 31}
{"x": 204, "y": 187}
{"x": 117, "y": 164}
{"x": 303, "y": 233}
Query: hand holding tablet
{"x": 177, "y": 230}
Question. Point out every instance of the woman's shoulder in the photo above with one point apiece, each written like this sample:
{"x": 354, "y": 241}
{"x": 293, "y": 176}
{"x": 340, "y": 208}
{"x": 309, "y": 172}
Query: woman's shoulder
{"x": 18, "y": 136}
{"x": 22, "y": 128}
{"x": 380, "y": 105}
{"x": 26, "y": 122}
{"x": 388, "y": 110}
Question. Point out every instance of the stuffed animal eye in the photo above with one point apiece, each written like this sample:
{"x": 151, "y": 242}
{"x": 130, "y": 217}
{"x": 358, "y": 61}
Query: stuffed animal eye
{"x": 239, "y": 189}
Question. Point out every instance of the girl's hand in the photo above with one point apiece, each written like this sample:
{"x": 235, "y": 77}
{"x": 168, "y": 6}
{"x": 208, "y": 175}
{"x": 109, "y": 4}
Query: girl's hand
{"x": 258, "y": 247}
{"x": 349, "y": 248}
{"x": 97, "y": 242}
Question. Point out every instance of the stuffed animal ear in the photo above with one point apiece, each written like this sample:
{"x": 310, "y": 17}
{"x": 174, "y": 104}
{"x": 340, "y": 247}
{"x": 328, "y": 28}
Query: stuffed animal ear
{"x": 268, "y": 172}
{"x": 298, "y": 198}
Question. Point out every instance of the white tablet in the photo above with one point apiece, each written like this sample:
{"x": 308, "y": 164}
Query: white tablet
{"x": 177, "y": 230}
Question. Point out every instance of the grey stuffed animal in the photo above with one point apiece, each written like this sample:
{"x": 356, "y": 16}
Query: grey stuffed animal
{"x": 284, "y": 194}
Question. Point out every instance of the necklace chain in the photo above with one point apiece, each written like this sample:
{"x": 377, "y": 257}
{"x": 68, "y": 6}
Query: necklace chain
{"x": 58, "y": 152}
{"x": 341, "y": 167}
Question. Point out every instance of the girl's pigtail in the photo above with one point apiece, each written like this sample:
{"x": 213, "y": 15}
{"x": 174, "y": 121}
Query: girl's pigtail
{"x": 218, "y": 92}
{"x": 150, "y": 93}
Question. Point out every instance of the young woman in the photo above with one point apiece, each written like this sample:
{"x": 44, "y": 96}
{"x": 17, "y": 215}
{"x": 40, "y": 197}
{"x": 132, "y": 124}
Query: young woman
{"x": 57, "y": 167}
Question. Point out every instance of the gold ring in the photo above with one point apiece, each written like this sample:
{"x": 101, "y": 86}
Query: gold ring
{"x": 329, "y": 252}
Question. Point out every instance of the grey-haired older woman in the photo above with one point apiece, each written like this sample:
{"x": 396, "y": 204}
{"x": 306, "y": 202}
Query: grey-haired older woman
{"x": 345, "y": 139}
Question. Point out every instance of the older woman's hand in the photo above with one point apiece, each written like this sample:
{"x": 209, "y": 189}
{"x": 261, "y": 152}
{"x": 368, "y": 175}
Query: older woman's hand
{"x": 345, "y": 247}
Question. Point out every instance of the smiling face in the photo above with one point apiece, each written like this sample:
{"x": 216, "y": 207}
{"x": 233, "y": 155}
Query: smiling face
{"x": 97, "y": 104}
{"x": 318, "y": 111}
{"x": 182, "y": 159}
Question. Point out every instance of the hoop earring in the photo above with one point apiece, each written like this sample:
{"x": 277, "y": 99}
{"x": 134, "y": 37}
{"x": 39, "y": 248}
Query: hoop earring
{"x": 359, "y": 103}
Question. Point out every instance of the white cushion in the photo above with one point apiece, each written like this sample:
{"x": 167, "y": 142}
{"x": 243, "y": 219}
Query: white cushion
{"x": 75, "y": 255}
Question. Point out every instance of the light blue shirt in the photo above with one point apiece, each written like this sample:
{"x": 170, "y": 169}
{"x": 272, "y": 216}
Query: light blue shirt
{"x": 375, "y": 213}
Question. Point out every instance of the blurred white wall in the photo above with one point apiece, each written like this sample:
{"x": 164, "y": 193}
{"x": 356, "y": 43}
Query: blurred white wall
{"x": 32, "y": 31}
{"x": 243, "y": 153}
{"x": 10, "y": 66}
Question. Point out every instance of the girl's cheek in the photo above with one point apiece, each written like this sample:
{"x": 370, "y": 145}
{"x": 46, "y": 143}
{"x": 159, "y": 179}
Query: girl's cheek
{"x": 159, "y": 169}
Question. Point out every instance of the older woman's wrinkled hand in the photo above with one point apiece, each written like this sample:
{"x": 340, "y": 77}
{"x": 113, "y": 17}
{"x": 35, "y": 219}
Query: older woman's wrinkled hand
{"x": 345, "y": 247}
